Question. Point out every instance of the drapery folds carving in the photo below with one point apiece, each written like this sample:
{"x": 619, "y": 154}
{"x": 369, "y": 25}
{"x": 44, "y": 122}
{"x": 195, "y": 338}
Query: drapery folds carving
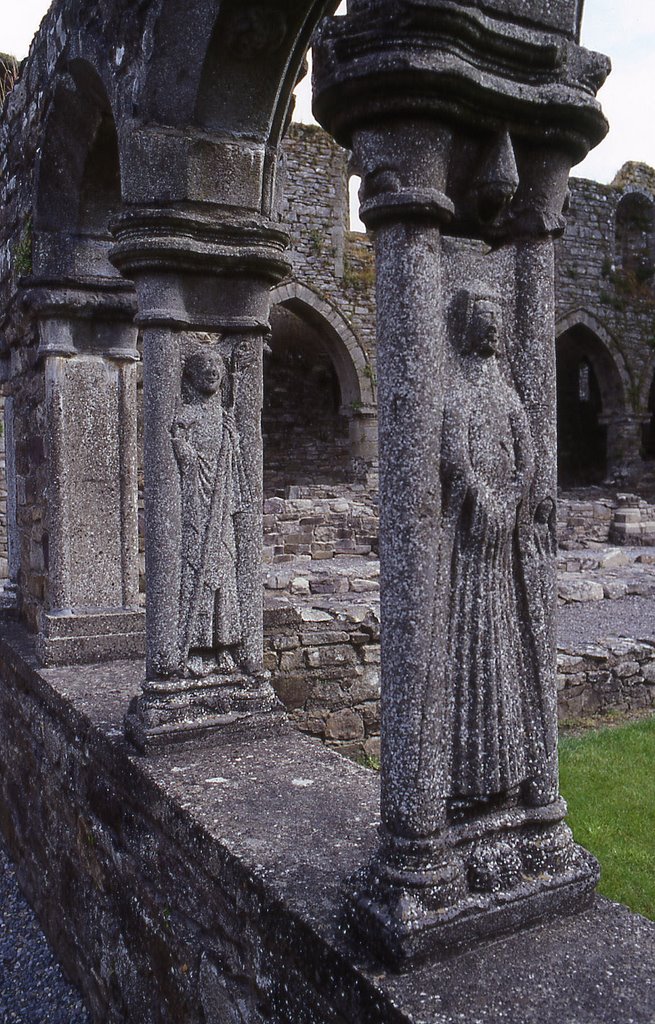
{"x": 464, "y": 120}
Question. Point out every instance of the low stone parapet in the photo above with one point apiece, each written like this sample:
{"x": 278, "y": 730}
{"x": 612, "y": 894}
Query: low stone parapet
{"x": 320, "y": 527}
{"x": 613, "y": 674}
{"x": 206, "y": 882}
{"x": 325, "y": 667}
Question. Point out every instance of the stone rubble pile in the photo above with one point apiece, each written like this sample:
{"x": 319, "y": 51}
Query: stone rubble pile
{"x": 624, "y": 519}
{"x": 610, "y": 573}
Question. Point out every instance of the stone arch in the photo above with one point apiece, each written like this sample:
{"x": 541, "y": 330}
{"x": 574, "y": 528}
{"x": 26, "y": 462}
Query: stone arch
{"x": 221, "y": 89}
{"x": 78, "y": 179}
{"x": 592, "y": 382}
{"x": 319, "y": 384}
{"x": 350, "y": 359}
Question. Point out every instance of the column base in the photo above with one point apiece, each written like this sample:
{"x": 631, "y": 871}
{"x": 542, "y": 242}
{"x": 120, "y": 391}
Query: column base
{"x": 183, "y": 709}
{"x": 483, "y": 879}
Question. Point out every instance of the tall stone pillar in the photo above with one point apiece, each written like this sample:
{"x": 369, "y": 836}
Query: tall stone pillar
{"x": 203, "y": 295}
{"x": 465, "y": 122}
{"x": 87, "y": 344}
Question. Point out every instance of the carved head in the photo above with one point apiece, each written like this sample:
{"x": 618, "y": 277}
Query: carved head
{"x": 205, "y": 371}
{"x": 483, "y": 322}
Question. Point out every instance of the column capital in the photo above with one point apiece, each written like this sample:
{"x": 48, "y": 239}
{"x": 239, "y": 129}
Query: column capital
{"x": 69, "y": 313}
{"x": 175, "y": 256}
{"x": 512, "y": 101}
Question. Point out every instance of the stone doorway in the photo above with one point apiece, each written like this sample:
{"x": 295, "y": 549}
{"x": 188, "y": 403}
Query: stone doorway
{"x": 306, "y": 415}
{"x": 589, "y": 409}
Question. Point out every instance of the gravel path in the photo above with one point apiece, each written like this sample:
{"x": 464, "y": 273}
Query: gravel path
{"x": 33, "y": 989}
{"x": 583, "y": 623}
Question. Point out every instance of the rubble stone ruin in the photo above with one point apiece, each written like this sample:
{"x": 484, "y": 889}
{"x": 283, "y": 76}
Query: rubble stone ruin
{"x": 191, "y": 856}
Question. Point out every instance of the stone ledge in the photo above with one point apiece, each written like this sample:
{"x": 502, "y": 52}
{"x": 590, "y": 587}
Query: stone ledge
{"x": 84, "y": 638}
{"x": 204, "y": 883}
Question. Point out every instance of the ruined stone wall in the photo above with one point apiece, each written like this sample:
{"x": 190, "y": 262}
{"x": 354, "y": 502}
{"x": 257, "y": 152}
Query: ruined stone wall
{"x": 326, "y": 255}
{"x": 608, "y": 676}
{"x": 599, "y": 287}
{"x": 21, "y": 128}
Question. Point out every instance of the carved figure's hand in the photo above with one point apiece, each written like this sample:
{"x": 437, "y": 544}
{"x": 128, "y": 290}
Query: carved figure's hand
{"x": 181, "y": 447}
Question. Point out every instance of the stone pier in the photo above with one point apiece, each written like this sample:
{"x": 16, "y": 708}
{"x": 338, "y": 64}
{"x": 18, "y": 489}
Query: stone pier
{"x": 473, "y": 840}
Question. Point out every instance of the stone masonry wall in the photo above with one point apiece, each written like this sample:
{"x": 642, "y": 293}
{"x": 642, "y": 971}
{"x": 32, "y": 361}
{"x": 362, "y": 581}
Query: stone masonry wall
{"x": 616, "y": 303}
{"x": 326, "y": 671}
{"x": 610, "y": 675}
{"x": 624, "y": 519}
{"x": 21, "y": 125}
{"x": 320, "y": 528}
{"x": 325, "y": 254}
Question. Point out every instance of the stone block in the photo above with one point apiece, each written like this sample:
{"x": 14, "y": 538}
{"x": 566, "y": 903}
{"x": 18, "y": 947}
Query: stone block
{"x": 327, "y": 656}
{"x": 319, "y": 638}
{"x": 290, "y": 661}
{"x": 292, "y": 690}
{"x": 579, "y": 590}
{"x": 366, "y": 685}
{"x": 614, "y": 558}
{"x": 626, "y": 669}
{"x": 300, "y": 585}
{"x": 370, "y": 716}
{"x": 346, "y": 724}
{"x": 270, "y": 661}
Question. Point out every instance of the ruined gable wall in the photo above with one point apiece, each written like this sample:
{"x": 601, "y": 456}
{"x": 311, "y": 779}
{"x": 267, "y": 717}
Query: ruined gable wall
{"x": 591, "y": 285}
{"x": 325, "y": 254}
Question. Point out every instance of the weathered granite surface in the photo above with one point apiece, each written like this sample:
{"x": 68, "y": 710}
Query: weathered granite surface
{"x": 204, "y": 883}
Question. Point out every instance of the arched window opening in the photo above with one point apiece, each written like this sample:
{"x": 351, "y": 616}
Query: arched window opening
{"x": 305, "y": 426}
{"x": 635, "y": 236}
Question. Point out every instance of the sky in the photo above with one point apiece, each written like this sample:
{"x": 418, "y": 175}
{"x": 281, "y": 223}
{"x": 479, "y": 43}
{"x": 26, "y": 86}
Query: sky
{"x": 625, "y": 31}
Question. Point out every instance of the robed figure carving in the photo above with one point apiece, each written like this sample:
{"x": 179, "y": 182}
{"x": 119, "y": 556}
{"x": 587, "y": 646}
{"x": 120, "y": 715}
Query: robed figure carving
{"x": 213, "y": 491}
{"x": 487, "y": 467}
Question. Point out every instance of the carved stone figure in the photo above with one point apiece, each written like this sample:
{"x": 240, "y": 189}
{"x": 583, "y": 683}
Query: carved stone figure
{"x": 487, "y": 469}
{"x": 206, "y": 446}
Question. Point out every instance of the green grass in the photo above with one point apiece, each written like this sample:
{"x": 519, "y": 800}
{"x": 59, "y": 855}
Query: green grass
{"x": 608, "y": 780}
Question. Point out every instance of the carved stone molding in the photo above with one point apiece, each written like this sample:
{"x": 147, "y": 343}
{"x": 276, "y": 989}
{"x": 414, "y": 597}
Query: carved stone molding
{"x": 515, "y": 103}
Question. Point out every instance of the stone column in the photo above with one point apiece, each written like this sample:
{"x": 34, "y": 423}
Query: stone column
{"x": 203, "y": 294}
{"x": 87, "y": 342}
{"x": 479, "y": 147}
